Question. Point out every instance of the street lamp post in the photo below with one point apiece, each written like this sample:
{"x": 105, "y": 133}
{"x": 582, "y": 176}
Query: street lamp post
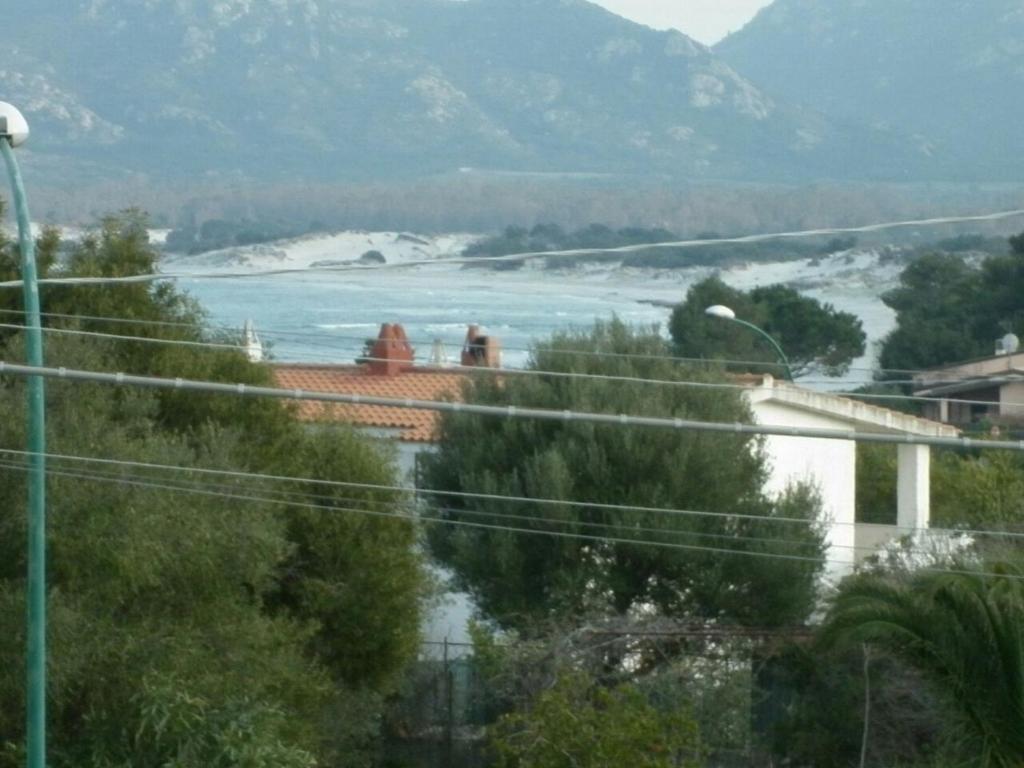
{"x": 14, "y": 132}
{"x": 724, "y": 313}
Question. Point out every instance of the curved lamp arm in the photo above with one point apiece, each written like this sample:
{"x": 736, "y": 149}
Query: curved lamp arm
{"x": 723, "y": 312}
{"x": 773, "y": 342}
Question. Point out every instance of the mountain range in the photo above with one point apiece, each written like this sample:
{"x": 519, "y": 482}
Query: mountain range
{"x": 948, "y": 74}
{"x": 381, "y": 89}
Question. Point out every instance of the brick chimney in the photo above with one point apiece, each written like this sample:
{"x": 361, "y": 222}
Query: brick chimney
{"x": 481, "y": 351}
{"x": 391, "y": 354}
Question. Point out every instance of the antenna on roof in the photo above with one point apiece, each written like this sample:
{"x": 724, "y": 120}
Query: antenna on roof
{"x": 251, "y": 342}
{"x": 438, "y": 354}
{"x": 1008, "y": 345}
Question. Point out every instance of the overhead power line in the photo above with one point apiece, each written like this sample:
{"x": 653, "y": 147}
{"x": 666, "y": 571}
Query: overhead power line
{"x": 323, "y": 339}
{"x": 510, "y": 411}
{"x": 478, "y": 370}
{"x": 624, "y": 250}
{"x": 624, "y": 526}
{"x": 330, "y": 499}
{"x": 414, "y": 516}
{"x": 419, "y": 516}
{"x": 250, "y": 476}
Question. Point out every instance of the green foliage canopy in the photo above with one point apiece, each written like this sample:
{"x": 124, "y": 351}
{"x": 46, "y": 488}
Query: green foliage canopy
{"x": 519, "y": 579}
{"x": 949, "y": 309}
{"x": 579, "y": 724}
{"x": 190, "y": 624}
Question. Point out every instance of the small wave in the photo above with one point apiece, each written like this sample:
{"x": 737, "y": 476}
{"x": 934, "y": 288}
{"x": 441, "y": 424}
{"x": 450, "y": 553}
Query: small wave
{"x": 344, "y": 326}
{"x": 445, "y": 327}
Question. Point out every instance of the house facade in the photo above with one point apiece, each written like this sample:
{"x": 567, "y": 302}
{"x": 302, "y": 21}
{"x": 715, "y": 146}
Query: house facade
{"x": 989, "y": 389}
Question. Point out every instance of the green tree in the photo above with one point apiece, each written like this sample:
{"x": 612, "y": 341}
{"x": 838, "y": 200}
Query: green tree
{"x": 192, "y": 625}
{"x": 580, "y": 724}
{"x": 937, "y": 315}
{"x": 150, "y": 590}
{"x": 978, "y": 490}
{"x": 811, "y": 708}
{"x": 520, "y": 579}
{"x": 964, "y": 633}
{"x": 949, "y": 309}
{"x": 975, "y": 489}
{"x": 813, "y": 335}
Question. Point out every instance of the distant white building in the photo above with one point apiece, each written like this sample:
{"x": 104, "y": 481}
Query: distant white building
{"x": 989, "y": 389}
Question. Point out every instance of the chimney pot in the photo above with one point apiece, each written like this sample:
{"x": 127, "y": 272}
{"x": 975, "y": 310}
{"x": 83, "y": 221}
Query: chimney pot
{"x": 481, "y": 351}
{"x": 391, "y": 353}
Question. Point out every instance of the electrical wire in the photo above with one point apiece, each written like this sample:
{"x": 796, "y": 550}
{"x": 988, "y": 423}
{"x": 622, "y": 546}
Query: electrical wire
{"x": 249, "y": 476}
{"x": 624, "y": 250}
{"x": 326, "y": 336}
{"x": 478, "y": 370}
{"x": 512, "y": 411}
{"x": 416, "y": 517}
{"x": 443, "y": 520}
{"x": 278, "y": 493}
{"x": 625, "y": 508}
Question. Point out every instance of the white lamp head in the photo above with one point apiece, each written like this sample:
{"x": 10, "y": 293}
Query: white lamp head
{"x": 720, "y": 311}
{"x": 13, "y": 125}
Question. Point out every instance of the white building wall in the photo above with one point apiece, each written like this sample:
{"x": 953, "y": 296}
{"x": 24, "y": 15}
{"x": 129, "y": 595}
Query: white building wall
{"x": 830, "y": 465}
{"x": 1011, "y": 400}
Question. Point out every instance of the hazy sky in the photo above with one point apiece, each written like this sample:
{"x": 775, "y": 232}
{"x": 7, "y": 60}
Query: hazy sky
{"x": 705, "y": 20}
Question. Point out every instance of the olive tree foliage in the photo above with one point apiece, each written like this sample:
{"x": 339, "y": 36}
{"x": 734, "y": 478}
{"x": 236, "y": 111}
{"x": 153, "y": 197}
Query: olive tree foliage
{"x": 813, "y": 335}
{"x": 508, "y": 554}
{"x": 195, "y": 620}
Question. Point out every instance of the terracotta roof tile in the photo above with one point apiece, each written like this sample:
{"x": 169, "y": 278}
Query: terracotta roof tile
{"x": 418, "y": 384}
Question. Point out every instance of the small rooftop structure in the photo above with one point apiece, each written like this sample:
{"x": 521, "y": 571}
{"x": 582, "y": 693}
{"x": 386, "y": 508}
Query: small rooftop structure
{"x": 389, "y": 370}
{"x": 481, "y": 351}
{"x": 391, "y": 354}
{"x": 989, "y": 388}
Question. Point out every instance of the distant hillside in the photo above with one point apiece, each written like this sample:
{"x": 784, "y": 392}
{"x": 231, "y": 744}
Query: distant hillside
{"x": 948, "y": 72}
{"x": 375, "y": 89}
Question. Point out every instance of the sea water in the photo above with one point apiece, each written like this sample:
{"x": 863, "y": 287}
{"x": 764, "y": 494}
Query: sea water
{"x": 327, "y": 316}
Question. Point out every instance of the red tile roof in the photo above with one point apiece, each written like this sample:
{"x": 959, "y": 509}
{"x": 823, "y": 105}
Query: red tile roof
{"x": 417, "y": 383}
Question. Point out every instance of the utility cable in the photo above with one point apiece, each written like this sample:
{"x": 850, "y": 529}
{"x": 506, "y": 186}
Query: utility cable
{"x": 325, "y": 336}
{"x": 626, "y": 508}
{"x": 509, "y": 411}
{"x": 575, "y": 252}
{"x": 277, "y": 494}
{"x": 478, "y": 370}
{"x": 415, "y": 517}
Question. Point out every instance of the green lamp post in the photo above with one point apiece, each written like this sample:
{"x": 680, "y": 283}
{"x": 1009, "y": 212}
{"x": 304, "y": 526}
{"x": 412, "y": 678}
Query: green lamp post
{"x": 14, "y": 132}
{"x": 724, "y": 313}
